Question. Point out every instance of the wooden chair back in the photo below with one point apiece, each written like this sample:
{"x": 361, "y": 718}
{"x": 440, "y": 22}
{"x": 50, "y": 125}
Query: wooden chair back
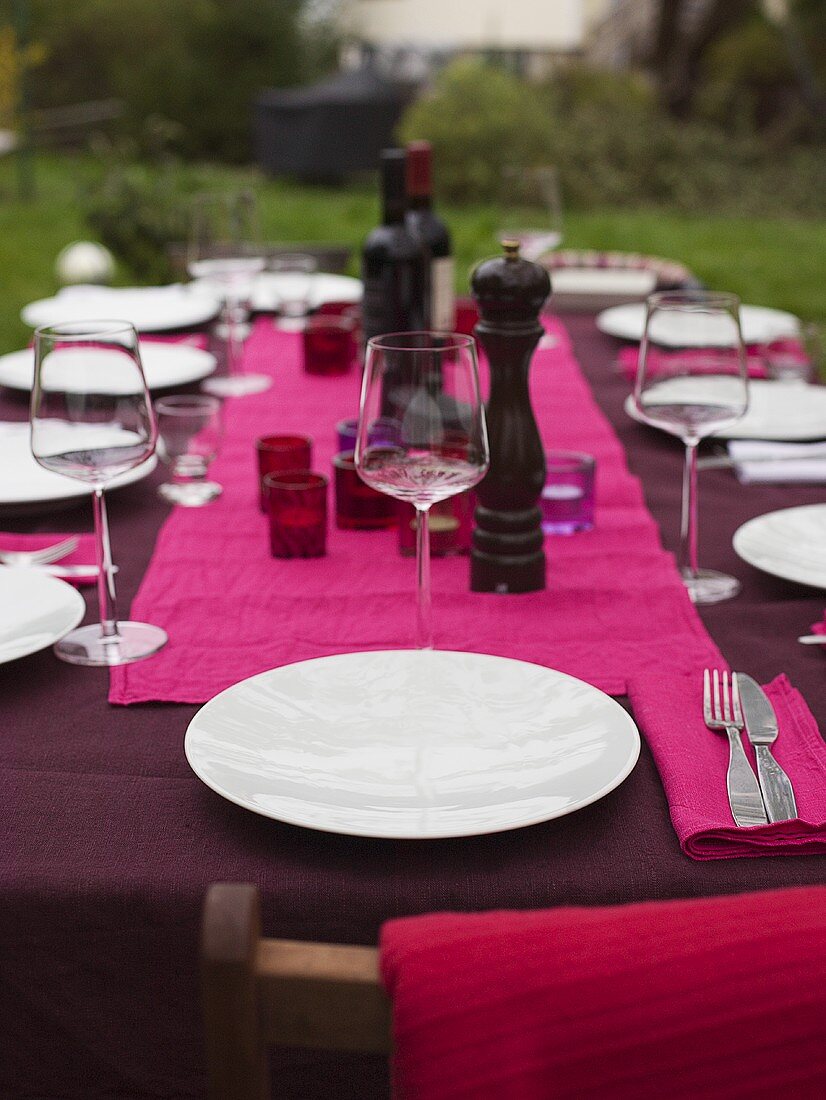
{"x": 259, "y": 993}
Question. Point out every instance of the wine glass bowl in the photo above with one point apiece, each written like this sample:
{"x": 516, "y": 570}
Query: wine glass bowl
{"x": 94, "y": 437}
{"x": 692, "y": 381}
{"x": 423, "y": 388}
{"x": 225, "y": 251}
{"x": 531, "y": 209}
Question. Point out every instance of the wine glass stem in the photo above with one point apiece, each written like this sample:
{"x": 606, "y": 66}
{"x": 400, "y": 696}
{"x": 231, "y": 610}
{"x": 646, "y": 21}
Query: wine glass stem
{"x": 688, "y": 524}
{"x": 424, "y": 607}
{"x": 232, "y": 328}
{"x": 106, "y": 580}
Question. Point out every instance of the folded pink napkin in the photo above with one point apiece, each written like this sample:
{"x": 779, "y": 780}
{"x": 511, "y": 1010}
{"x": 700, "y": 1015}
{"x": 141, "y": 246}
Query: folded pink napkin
{"x": 819, "y": 627}
{"x": 667, "y": 362}
{"x": 692, "y": 761}
{"x": 84, "y": 554}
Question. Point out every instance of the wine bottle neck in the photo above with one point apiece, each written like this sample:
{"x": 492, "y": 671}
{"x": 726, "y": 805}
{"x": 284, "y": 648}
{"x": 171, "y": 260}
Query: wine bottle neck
{"x": 393, "y": 186}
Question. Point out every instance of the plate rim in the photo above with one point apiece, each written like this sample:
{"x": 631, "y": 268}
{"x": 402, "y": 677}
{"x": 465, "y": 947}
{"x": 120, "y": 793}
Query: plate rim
{"x": 185, "y": 381}
{"x": 78, "y": 491}
{"x": 726, "y": 433}
{"x": 625, "y": 771}
{"x": 599, "y": 320}
{"x": 80, "y": 608}
{"x": 198, "y": 318}
{"x": 788, "y": 575}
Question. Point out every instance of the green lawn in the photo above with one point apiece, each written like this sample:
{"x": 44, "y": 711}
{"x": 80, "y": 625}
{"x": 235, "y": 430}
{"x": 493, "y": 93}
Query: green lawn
{"x": 773, "y": 262}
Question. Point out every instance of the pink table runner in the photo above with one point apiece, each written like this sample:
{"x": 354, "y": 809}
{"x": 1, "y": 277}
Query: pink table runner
{"x": 614, "y": 612}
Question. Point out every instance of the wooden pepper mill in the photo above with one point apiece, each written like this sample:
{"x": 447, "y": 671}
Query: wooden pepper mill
{"x": 508, "y": 553}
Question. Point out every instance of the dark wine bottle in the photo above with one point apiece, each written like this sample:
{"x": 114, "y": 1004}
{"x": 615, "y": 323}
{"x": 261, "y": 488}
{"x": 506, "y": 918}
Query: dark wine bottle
{"x": 393, "y": 262}
{"x": 426, "y": 225}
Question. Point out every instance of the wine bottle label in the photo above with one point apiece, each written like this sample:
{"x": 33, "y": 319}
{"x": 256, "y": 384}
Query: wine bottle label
{"x": 442, "y": 299}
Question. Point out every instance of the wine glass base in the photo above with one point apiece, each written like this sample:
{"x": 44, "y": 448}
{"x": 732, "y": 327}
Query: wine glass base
{"x": 708, "y": 586}
{"x": 193, "y": 494}
{"x": 237, "y": 385}
{"x": 134, "y": 642}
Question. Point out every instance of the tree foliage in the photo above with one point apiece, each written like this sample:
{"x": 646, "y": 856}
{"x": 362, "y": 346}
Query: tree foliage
{"x": 199, "y": 63}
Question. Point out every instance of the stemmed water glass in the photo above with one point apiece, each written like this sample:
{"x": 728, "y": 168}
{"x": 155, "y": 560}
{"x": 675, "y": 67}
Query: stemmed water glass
{"x": 94, "y": 437}
{"x": 531, "y": 209}
{"x": 190, "y": 429}
{"x": 423, "y": 389}
{"x": 225, "y": 251}
{"x": 691, "y": 382}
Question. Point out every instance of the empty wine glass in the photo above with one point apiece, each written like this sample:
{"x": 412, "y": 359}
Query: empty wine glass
{"x": 93, "y": 437}
{"x": 226, "y": 253}
{"x": 531, "y": 210}
{"x": 295, "y": 272}
{"x": 423, "y": 387}
{"x": 189, "y": 435}
{"x": 693, "y": 381}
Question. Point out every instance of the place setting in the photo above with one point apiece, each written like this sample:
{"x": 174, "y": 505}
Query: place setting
{"x": 411, "y": 743}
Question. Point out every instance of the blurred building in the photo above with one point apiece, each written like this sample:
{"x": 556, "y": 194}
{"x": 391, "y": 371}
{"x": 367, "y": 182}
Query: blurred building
{"x": 412, "y": 37}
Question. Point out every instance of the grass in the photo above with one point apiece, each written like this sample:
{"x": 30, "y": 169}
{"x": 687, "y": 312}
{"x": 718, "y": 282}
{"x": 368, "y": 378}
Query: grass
{"x": 774, "y": 262}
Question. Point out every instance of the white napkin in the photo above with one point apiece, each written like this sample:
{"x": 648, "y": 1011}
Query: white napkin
{"x": 757, "y": 460}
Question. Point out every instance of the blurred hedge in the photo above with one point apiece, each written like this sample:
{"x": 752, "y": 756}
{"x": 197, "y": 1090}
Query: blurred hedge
{"x": 610, "y": 142}
{"x": 199, "y": 63}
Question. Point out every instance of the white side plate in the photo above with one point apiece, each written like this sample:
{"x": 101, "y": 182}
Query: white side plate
{"x": 779, "y": 411}
{"x": 790, "y": 544}
{"x": 759, "y": 325}
{"x": 36, "y": 610}
{"x": 268, "y": 288}
{"x": 22, "y": 481}
{"x": 412, "y": 744}
{"x": 149, "y": 309}
{"x": 164, "y": 365}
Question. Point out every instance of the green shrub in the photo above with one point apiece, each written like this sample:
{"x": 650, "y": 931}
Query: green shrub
{"x": 610, "y": 142}
{"x": 478, "y": 118}
{"x": 198, "y": 62}
{"x": 141, "y": 201}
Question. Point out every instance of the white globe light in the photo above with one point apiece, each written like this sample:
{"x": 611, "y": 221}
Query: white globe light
{"x": 84, "y": 262}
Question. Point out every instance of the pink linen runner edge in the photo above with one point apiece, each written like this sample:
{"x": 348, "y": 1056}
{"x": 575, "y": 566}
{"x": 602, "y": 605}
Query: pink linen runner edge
{"x": 614, "y": 612}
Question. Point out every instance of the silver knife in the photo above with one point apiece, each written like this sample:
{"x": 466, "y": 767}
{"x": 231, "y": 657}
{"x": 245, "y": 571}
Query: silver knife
{"x": 761, "y": 727}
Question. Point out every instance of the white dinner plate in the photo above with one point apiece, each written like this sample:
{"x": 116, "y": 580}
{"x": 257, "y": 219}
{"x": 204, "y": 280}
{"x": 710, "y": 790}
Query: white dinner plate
{"x": 412, "y": 744}
{"x": 23, "y": 482}
{"x": 164, "y": 365}
{"x": 36, "y": 610}
{"x": 627, "y": 282}
{"x": 782, "y": 411}
{"x": 790, "y": 544}
{"x": 148, "y": 308}
{"x": 759, "y": 325}
{"x": 269, "y": 287}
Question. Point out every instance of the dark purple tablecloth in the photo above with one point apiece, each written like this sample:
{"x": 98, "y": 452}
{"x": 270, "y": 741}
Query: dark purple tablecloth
{"x": 109, "y": 841}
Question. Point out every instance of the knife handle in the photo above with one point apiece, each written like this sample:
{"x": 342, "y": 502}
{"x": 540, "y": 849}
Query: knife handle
{"x": 744, "y": 794}
{"x": 775, "y": 785}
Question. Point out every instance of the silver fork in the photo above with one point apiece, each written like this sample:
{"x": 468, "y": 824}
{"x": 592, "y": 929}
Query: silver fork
{"x": 39, "y": 557}
{"x": 722, "y": 711}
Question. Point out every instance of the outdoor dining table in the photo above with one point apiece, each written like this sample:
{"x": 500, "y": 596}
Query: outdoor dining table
{"x": 109, "y": 840}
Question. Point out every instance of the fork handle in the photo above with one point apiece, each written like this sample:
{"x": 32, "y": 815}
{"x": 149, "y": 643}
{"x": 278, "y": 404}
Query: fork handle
{"x": 744, "y": 794}
{"x": 775, "y": 785}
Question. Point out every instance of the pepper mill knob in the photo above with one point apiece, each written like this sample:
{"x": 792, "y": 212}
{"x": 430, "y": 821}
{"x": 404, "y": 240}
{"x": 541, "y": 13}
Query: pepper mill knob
{"x": 508, "y": 552}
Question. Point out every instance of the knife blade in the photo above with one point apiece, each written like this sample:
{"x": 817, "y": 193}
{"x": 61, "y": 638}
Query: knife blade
{"x": 761, "y": 728}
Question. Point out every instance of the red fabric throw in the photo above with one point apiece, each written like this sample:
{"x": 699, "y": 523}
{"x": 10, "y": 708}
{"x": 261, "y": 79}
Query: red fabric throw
{"x": 712, "y": 998}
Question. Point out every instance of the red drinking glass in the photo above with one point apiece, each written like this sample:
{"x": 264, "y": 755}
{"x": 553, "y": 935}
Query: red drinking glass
{"x": 297, "y": 503}
{"x": 330, "y": 345}
{"x": 358, "y": 507}
{"x": 277, "y": 454}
